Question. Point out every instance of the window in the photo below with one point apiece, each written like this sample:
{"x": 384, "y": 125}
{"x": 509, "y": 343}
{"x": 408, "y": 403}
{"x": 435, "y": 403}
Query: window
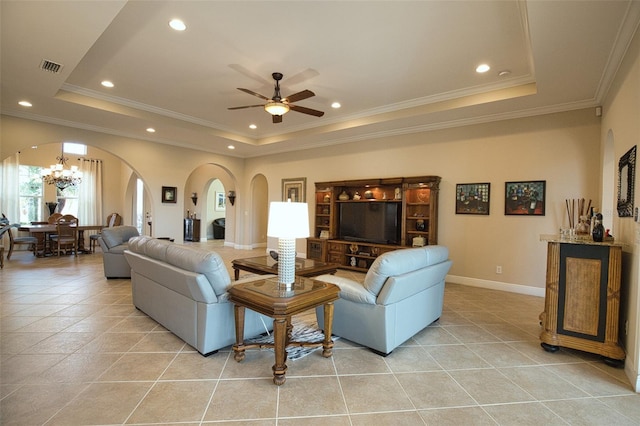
{"x": 68, "y": 200}
{"x": 30, "y": 183}
{"x": 74, "y": 148}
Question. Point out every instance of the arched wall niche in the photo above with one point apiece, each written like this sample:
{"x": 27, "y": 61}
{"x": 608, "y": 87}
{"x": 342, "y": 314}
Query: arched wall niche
{"x": 259, "y": 209}
{"x": 207, "y": 181}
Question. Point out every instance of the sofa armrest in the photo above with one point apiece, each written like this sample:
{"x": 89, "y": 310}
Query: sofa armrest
{"x": 349, "y": 289}
{"x": 403, "y": 286}
{"x": 103, "y": 245}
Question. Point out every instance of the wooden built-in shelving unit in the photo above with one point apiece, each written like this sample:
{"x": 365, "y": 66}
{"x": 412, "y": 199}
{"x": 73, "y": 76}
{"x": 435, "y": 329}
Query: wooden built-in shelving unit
{"x": 418, "y": 200}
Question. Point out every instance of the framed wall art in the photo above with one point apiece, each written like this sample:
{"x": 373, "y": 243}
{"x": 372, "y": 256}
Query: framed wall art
{"x": 169, "y": 194}
{"x": 626, "y": 178}
{"x": 525, "y": 198}
{"x": 294, "y": 189}
{"x": 473, "y": 198}
{"x": 221, "y": 203}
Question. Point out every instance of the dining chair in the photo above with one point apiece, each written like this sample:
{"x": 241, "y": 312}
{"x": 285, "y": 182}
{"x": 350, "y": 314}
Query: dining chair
{"x": 54, "y": 218}
{"x": 15, "y": 240}
{"x": 52, "y": 221}
{"x": 3, "y": 230}
{"x": 66, "y": 234}
{"x": 114, "y": 219}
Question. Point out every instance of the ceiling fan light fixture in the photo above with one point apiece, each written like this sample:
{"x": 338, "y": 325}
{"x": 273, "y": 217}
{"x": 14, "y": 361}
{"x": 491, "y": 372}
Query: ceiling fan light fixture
{"x": 276, "y": 108}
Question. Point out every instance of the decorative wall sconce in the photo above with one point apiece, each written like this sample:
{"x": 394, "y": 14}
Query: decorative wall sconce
{"x": 232, "y": 197}
{"x": 194, "y": 198}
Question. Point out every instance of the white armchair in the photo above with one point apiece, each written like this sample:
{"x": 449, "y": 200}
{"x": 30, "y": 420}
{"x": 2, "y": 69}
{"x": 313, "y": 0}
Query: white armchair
{"x": 402, "y": 293}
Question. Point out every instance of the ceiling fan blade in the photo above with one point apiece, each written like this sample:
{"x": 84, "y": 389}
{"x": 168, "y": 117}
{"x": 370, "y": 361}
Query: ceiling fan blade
{"x": 305, "y": 110}
{"x": 245, "y": 71}
{"x": 251, "y": 92}
{"x": 305, "y": 94}
{"x": 301, "y": 77}
{"x": 246, "y": 106}
{"x": 277, "y": 119}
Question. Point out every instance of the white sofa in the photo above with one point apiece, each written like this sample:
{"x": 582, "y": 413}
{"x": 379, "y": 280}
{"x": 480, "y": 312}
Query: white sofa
{"x": 184, "y": 288}
{"x": 402, "y": 293}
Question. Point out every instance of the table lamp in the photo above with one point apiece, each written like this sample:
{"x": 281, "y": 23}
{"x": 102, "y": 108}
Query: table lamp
{"x": 287, "y": 221}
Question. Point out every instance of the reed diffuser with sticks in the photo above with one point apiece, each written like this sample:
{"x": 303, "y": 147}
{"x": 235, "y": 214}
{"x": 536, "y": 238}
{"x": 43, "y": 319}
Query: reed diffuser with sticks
{"x": 583, "y": 224}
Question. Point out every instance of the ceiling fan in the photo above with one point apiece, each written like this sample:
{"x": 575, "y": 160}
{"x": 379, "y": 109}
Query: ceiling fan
{"x": 277, "y": 106}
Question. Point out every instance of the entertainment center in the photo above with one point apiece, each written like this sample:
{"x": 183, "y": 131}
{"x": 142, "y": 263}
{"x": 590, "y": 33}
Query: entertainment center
{"x": 358, "y": 220}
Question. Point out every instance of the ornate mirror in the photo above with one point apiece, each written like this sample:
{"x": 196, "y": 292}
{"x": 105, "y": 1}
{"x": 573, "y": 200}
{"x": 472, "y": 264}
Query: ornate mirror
{"x": 626, "y": 179}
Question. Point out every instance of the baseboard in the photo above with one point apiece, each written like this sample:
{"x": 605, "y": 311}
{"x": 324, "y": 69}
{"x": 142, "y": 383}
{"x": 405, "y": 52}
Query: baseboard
{"x": 633, "y": 375}
{"x": 496, "y": 285}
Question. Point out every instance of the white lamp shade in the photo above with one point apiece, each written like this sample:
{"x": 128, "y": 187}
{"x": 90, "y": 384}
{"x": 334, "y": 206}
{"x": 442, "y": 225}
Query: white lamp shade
{"x": 288, "y": 220}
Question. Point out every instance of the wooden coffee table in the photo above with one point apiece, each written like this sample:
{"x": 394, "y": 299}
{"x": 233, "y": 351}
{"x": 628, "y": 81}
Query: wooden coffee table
{"x": 272, "y": 299}
{"x": 267, "y": 265}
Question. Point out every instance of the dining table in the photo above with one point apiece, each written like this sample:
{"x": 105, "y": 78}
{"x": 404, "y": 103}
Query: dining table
{"x": 41, "y": 232}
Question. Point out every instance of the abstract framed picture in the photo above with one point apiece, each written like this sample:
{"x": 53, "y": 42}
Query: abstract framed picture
{"x": 525, "y": 198}
{"x": 294, "y": 189}
{"x": 221, "y": 203}
{"x": 169, "y": 194}
{"x": 473, "y": 198}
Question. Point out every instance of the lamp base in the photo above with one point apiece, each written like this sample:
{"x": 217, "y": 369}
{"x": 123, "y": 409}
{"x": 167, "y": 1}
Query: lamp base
{"x": 287, "y": 261}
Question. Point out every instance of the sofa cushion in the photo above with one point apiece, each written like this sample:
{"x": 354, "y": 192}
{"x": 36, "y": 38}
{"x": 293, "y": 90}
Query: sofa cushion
{"x": 208, "y": 263}
{"x": 192, "y": 259}
{"x": 400, "y": 262}
{"x": 118, "y": 235}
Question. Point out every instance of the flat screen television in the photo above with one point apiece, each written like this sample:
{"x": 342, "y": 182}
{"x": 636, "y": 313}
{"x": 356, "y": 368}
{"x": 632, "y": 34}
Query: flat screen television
{"x": 371, "y": 222}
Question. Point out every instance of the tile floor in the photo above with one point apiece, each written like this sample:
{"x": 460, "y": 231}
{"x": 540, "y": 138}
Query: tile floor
{"x": 74, "y": 351}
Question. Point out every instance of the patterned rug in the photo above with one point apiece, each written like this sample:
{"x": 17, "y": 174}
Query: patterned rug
{"x": 300, "y": 333}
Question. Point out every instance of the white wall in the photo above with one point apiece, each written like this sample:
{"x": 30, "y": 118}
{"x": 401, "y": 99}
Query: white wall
{"x": 562, "y": 149}
{"x": 620, "y": 121}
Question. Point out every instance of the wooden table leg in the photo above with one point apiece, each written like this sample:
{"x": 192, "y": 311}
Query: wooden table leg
{"x": 238, "y": 348}
{"x": 280, "y": 342}
{"x": 327, "y": 345}
{"x": 236, "y": 273}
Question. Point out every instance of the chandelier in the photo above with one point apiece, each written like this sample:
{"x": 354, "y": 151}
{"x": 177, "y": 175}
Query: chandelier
{"x": 61, "y": 177}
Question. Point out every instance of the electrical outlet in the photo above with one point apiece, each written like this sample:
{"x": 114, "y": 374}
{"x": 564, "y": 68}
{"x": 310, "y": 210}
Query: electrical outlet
{"x": 498, "y": 269}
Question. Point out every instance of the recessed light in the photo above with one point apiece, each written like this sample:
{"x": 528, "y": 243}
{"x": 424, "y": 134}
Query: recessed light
{"x": 336, "y": 105}
{"x": 177, "y": 25}
{"x": 231, "y": 147}
{"x": 151, "y": 130}
{"x": 483, "y": 68}
{"x": 107, "y": 83}
{"x": 253, "y": 126}
{"x": 25, "y": 104}
{"x": 504, "y": 73}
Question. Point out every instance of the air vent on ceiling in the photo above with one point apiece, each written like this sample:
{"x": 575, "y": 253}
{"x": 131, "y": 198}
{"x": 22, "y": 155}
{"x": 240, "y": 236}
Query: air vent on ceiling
{"x": 50, "y": 66}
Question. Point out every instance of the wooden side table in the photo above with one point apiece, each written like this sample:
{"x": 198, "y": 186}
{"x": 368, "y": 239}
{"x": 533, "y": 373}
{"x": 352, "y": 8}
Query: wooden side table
{"x": 269, "y": 298}
{"x": 267, "y": 265}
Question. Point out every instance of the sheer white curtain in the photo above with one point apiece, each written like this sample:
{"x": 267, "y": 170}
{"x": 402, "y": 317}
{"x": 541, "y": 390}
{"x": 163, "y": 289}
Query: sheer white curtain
{"x": 9, "y": 188}
{"x": 90, "y": 193}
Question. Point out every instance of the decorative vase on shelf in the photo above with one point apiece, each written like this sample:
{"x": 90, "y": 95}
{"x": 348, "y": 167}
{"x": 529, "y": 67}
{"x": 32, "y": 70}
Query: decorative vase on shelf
{"x": 368, "y": 195}
{"x": 353, "y": 248}
{"x": 343, "y": 196}
{"x": 583, "y": 226}
{"x": 420, "y": 226}
{"x": 52, "y": 207}
{"x": 598, "y": 229}
{"x": 326, "y": 198}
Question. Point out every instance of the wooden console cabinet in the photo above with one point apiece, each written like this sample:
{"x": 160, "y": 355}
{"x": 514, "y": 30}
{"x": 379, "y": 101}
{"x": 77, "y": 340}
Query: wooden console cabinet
{"x": 192, "y": 229}
{"x": 582, "y": 298}
{"x": 418, "y": 200}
